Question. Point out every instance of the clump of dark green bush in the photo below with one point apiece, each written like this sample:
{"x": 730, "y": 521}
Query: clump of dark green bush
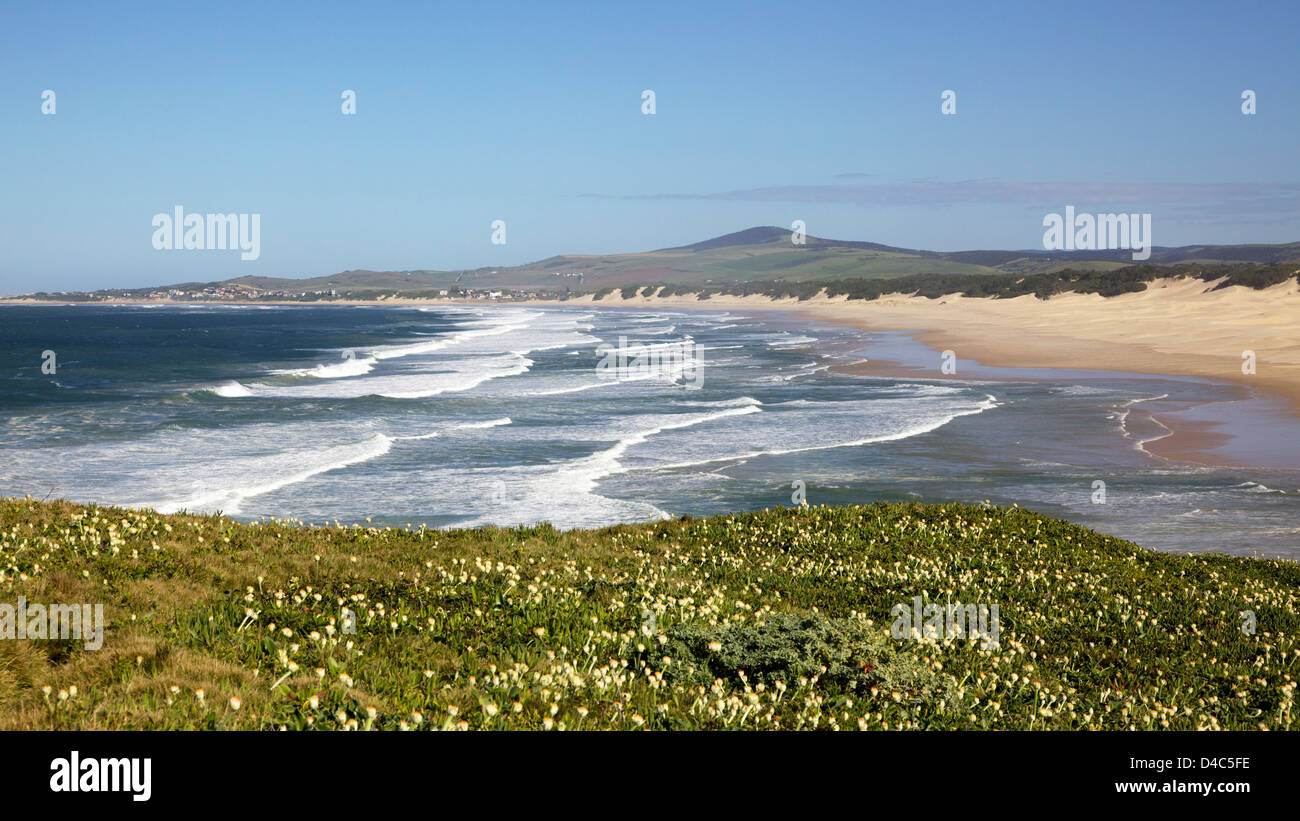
{"x": 846, "y": 656}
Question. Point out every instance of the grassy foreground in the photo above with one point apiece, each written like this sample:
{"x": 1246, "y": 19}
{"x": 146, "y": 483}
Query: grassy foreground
{"x": 772, "y": 620}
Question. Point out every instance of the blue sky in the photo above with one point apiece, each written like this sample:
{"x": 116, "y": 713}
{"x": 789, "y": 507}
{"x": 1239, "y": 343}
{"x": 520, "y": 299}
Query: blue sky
{"x": 531, "y": 113}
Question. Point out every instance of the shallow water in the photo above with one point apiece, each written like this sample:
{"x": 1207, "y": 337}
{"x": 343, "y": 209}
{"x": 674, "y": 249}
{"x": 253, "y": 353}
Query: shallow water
{"x": 456, "y": 416}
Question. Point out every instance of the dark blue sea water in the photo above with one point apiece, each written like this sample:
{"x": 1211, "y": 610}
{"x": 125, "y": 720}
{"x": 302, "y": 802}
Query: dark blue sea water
{"x": 460, "y": 416}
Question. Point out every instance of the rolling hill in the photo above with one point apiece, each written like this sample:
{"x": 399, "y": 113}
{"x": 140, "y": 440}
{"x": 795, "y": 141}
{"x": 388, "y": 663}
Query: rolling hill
{"x": 759, "y": 254}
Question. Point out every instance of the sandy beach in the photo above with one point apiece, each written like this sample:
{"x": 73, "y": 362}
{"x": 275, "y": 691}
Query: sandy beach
{"x": 1174, "y": 327}
{"x": 1178, "y": 327}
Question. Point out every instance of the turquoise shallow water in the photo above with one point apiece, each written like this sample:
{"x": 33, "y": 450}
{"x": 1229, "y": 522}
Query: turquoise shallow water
{"x": 461, "y": 416}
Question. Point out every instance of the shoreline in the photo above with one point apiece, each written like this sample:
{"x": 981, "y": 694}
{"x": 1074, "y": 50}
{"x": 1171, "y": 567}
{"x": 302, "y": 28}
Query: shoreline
{"x": 1184, "y": 441}
{"x": 1176, "y": 327}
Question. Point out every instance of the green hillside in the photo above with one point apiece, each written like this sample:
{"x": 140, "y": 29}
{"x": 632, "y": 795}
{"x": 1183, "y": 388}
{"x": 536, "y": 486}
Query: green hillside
{"x": 761, "y": 255}
{"x": 779, "y": 619}
{"x": 765, "y": 254}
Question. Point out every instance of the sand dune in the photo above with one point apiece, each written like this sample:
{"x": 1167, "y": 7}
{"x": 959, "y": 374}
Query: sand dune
{"x": 1176, "y": 326}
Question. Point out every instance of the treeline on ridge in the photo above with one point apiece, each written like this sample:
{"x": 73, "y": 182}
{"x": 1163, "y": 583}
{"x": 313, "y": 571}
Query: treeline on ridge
{"x": 1106, "y": 283}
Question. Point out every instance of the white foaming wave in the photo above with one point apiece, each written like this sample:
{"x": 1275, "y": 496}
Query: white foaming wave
{"x": 1121, "y": 417}
{"x": 804, "y": 370}
{"x": 552, "y": 341}
{"x": 421, "y": 386}
{"x": 791, "y": 342}
{"x": 235, "y": 465}
{"x": 656, "y": 331}
{"x": 605, "y": 463}
{"x": 349, "y": 366}
{"x": 230, "y": 390}
{"x": 418, "y": 437}
{"x": 490, "y": 423}
{"x": 455, "y": 338}
{"x": 738, "y": 402}
{"x": 1256, "y": 487}
{"x": 945, "y": 391}
{"x": 455, "y": 376}
{"x": 230, "y": 499}
{"x": 574, "y": 389}
{"x": 576, "y": 377}
{"x": 700, "y": 318}
{"x": 520, "y": 332}
{"x": 407, "y": 386}
{"x": 778, "y": 433}
{"x": 920, "y": 389}
{"x": 635, "y": 347}
{"x": 1082, "y": 390}
{"x": 564, "y": 493}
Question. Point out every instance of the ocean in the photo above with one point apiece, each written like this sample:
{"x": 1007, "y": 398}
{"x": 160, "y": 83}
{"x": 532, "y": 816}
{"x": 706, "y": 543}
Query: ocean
{"x": 460, "y": 416}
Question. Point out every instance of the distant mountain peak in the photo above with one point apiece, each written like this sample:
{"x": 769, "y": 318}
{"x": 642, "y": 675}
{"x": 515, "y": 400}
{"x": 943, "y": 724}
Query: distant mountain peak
{"x": 750, "y": 236}
{"x": 760, "y": 253}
